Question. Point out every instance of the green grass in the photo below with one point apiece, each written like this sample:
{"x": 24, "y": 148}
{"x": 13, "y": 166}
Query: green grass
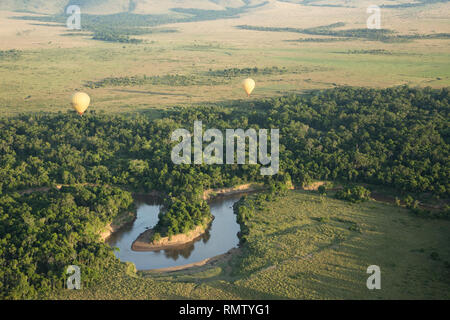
{"x": 306, "y": 246}
{"x": 44, "y": 79}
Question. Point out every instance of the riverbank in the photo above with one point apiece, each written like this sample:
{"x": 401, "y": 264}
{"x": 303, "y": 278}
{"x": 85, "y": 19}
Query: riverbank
{"x": 221, "y": 258}
{"x": 249, "y": 187}
{"x": 143, "y": 242}
{"x": 154, "y": 193}
{"x": 119, "y": 222}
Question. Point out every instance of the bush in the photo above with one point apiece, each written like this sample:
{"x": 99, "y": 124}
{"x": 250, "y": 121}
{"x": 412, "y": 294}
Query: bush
{"x": 409, "y": 201}
{"x": 353, "y": 194}
{"x": 156, "y": 238}
{"x": 322, "y": 190}
{"x": 434, "y": 256}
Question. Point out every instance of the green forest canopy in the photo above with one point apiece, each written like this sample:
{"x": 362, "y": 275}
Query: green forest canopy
{"x": 397, "y": 137}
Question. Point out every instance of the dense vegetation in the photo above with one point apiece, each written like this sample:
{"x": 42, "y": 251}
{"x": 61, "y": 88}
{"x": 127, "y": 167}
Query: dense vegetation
{"x": 372, "y": 51}
{"x": 111, "y": 36}
{"x": 181, "y": 215}
{"x": 211, "y": 77}
{"x": 123, "y": 35}
{"x": 43, "y": 233}
{"x": 397, "y": 137}
{"x": 383, "y": 35}
{"x": 394, "y": 136}
{"x": 239, "y": 72}
{"x": 318, "y": 40}
{"x": 418, "y": 3}
{"x": 10, "y": 54}
{"x": 171, "y": 80}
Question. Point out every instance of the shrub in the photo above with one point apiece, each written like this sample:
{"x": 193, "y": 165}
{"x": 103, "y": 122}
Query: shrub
{"x": 322, "y": 190}
{"x": 353, "y": 194}
{"x": 156, "y": 238}
{"x": 434, "y": 256}
{"x": 409, "y": 201}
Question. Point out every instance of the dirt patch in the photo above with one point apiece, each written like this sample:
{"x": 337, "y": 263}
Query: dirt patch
{"x": 249, "y": 187}
{"x": 314, "y": 186}
{"x": 32, "y": 190}
{"x": 382, "y": 197}
{"x": 330, "y": 186}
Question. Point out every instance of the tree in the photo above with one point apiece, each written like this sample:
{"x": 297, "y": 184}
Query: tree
{"x": 322, "y": 190}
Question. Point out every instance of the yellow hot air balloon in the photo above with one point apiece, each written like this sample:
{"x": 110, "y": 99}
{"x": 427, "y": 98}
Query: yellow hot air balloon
{"x": 80, "y": 102}
{"x": 249, "y": 86}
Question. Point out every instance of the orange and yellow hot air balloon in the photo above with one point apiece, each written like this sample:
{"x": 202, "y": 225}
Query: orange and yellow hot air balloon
{"x": 80, "y": 102}
{"x": 249, "y": 86}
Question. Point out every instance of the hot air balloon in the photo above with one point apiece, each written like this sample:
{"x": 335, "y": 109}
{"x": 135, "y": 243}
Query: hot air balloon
{"x": 80, "y": 102}
{"x": 249, "y": 86}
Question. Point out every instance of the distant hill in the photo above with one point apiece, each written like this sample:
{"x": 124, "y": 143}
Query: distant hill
{"x": 166, "y": 6}
{"x": 115, "y": 6}
{"x": 44, "y": 6}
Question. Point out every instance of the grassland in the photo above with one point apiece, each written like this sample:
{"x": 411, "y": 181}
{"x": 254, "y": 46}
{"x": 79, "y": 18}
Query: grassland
{"x": 307, "y": 246}
{"x": 52, "y": 65}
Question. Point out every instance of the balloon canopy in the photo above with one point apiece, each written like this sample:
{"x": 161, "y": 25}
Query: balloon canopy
{"x": 249, "y": 86}
{"x": 80, "y": 102}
